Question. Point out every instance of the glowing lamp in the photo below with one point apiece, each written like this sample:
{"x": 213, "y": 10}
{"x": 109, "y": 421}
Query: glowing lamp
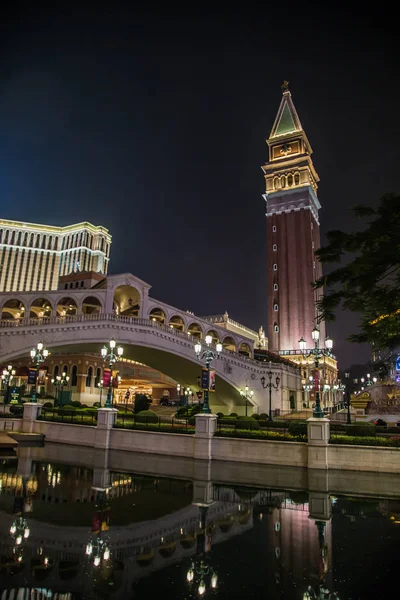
{"x": 104, "y": 351}
{"x": 13, "y": 529}
{"x": 315, "y": 334}
{"x": 208, "y": 339}
{"x": 120, "y": 350}
{"x": 89, "y": 549}
{"x": 112, "y": 344}
{"x": 33, "y": 353}
{"x": 214, "y": 581}
{"x": 302, "y": 344}
{"x": 219, "y": 347}
{"x": 202, "y": 588}
{"x": 40, "y": 346}
{"x": 190, "y": 575}
{"x": 18, "y": 540}
{"x": 96, "y": 561}
{"x": 197, "y": 348}
{"x": 106, "y": 554}
{"x": 329, "y": 343}
{"x": 26, "y": 532}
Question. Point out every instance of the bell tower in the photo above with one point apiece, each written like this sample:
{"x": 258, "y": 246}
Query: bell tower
{"x": 293, "y": 233}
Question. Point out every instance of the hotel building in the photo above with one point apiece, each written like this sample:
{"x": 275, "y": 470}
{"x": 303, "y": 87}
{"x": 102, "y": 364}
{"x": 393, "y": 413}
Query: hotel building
{"x": 33, "y": 257}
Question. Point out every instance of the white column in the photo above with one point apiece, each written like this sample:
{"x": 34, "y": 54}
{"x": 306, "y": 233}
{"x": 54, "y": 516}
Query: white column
{"x": 318, "y": 431}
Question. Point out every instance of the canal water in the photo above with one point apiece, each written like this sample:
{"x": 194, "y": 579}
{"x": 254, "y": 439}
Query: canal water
{"x": 72, "y": 528}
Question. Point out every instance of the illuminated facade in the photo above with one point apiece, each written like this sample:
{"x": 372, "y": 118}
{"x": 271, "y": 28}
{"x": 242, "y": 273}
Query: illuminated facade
{"x": 33, "y": 257}
{"x": 292, "y": 231}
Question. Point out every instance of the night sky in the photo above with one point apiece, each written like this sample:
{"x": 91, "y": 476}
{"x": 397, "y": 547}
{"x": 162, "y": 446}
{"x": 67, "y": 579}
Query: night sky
{"x": 153, "y": 124}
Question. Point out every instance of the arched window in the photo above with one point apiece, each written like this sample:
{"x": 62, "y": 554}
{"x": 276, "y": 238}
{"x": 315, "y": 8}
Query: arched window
{"x": 56, "y": 370}
{"x": 65, "y": 369}
{"x": 296, "y": 178}
{"x": 274, "y": 228}
{"x": 275, "y": 247}
{"x": 275, "y": 267}
{"x": 74, "y": 378}
{"x": 290, "y": 180}
{"x": 89, "y": 377}
{"x": 98, "y": 377}
{"x": 276, "y": 328}
{"x": 275, "y": 287}
{"x": 283, "y": 181}
{"x": 276, "y": 307}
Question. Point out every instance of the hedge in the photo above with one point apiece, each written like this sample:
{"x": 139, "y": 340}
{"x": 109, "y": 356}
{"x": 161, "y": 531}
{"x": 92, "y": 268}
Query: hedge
{"x": 163, "y": 427}
{"x": 261, "y": 435}
{"x": 359, "y": 440}
{"x": 146, "y": 416}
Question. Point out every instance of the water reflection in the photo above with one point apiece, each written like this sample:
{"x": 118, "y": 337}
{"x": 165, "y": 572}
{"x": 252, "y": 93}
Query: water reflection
{"x": 76, "y": 531}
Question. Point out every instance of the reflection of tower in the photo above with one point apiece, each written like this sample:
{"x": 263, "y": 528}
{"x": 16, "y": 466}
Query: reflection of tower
{"x": 292, "y": 229}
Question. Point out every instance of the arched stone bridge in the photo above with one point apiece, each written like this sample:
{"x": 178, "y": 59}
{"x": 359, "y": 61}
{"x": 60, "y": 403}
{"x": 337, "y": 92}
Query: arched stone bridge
{"x": 166, "y": 349}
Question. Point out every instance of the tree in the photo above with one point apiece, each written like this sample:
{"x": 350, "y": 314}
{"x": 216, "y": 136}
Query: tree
{"x": 369, "y": 281}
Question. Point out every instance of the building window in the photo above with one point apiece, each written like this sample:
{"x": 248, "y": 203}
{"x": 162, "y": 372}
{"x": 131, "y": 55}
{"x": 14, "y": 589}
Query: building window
{"x": 290, "y": 180}
{"x": 275, "y": 287}
{"x": 275, "y": 267}
{"x": 274, "y": 228}
{"x": 82, "y": 282}
{"x": 74, "y": 378}
{"x": 65, "y": 286}
{"x": 276, "y": 328}
{"x": 296, "y": 179}
{"x": 89, "y": 377}
{"x": 274, "y": 247}
{"x": 276, "y": 307}
{"x": 98, "y": 377}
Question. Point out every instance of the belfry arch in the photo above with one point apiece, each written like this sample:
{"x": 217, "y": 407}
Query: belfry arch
{"x": 127, "y": 301}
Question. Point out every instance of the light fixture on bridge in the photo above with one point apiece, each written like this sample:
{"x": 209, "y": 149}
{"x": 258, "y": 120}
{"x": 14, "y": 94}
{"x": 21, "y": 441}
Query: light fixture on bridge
{"x": 209, "y": 355}
{"x": 38, "y": 355}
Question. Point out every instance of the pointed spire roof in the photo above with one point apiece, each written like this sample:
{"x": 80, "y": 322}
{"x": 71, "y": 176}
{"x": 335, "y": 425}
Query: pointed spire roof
{"x": 287, "y": 120}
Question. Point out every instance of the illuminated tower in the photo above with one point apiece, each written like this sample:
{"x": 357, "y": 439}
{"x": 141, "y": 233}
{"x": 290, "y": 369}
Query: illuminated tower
{"x": 292, "y": 230}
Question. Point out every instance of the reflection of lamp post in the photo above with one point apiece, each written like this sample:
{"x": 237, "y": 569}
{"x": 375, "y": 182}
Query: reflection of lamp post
{"x": 247, "y": 394}
{"x": 19, "y": 531}
{"x": 270, "y": 385}
{"x": 110, "y": 357}
{"x": 7, "y": 377}
{"x": 59, "y": 382}
{"x": 321, "y": 593}
{"x": 200, "y": 572}
{"x": 98, "y": 548}
{"x": 209, "y": 355}
{"x": 317, "y": 353}
{"x": 38, "y": 355}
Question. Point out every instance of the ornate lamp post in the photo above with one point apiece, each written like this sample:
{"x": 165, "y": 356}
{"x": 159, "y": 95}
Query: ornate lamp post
{"x": 270, "y": 385}
{"x": 59, "y": 382}
{"x": 99, "y": 550}
{"x": 317, "y": 352}
{"x": 201, "y": 572}
{"x": 347, "y": 376}
{"x": 209, "y": 355}
{"x": 100, "y": 386}
{"x": 247, "y": 394}
{"x": 38, "y": 355}
{"x": 7, "y": 377}
{"x": 178, "y": 392}
{"x": 19, "y": 531}
{"x": 109, "y": 356}
{"x": 322, "y": 593}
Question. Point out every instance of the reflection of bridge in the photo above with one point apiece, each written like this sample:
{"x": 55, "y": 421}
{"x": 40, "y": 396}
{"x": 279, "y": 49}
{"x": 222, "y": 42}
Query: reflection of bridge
{"x": 156, "y": 334}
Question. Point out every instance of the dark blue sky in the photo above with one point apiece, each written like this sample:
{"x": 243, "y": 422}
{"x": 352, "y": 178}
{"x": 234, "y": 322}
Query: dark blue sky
{"x": 153, "y": 124}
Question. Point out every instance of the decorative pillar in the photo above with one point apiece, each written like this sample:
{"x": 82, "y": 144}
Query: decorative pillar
{"x": 106, "y": 419}
{"x": 206, "y": 426}
{"x": 32, "y": 410}
{"x": 318, "y": 431}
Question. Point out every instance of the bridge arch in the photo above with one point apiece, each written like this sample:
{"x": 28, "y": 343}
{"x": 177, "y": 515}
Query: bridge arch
{"x": 228, "y": 343}
{"x": 244, "y": 349}
{"x": 127, "y": 301}
{"x": 13, "y": 309}
{"x": 91, "y": 305}
{"x": 158, "y": 315}
{"x": 214, "y": 335}
{"x": 67, "y": 306}
{"x": 176, "y": 322}
{"x": 195, "y": 330}
{"x": 41, "y": 307}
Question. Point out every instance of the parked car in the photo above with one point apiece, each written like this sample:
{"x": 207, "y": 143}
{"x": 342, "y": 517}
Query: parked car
{"x": 168, "y": 401}
{"x": 380, "y": 422}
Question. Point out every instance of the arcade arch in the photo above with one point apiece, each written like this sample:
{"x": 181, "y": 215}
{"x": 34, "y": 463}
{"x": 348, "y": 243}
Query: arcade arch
{"x": 195, "y": 331}
{"x": 177, "y": 322}
{"x": 127, "y": 301}
{"x": 214, "y": 335}
{"x": 13, "y": 309}
{"x": 91, "y": 306}
{"x": 228, "y": 343}
{"x": 40, "y": 308}
{"x": 244, "y": 349}
{"x": 158, "y": 315}
{"x": 67, "y": 306}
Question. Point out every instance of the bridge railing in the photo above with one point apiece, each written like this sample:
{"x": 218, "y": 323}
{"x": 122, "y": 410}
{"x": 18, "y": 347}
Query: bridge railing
{"x": 134, "y": 321}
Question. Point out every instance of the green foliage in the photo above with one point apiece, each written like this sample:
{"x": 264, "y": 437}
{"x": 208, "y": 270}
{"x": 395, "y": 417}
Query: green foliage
{"x": 142, "y": 403}
{"x": 220, "y": 415}
{"x": 16, "y": 409}
{"x": 361, "y": 430}
{"x": 264, "y": 416}
{"x": 260, "y": 435}
{"x": 247, "y": 423}
{"x": 195, "y": 410}
{"x": 256, "y": 416}
{"x": 96, "y": 404}
{"x": 48, "y": 405}
{"x": 365, "y": 441}
{"x": 297, "y": 428}
{"x": 182, "y": 411}
{"x": 76, "y": 404}
{"x": 233, "y": 414}
{"x": 164, "y": 427}
{"x": 146, "y": 416}
{"x": 368, "y": 278}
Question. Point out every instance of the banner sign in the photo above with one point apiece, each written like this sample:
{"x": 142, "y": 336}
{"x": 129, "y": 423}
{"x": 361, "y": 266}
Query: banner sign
{"x": 32, "y": 376}
{"x": 106, "y": 377}
{"x": 115, "y": 381}
{"x": 41, "y": 376}
{"x": 316, "y": 379}
{"x": 208, "y": 380}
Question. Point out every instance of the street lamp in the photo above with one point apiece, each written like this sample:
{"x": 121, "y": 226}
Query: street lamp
{"x": 7, "y": 377}
{"x": 38, "y": 355}
{"x": 322, "y": 593}
{"x": 59, "y": 382}
{"x": 99, "y": 550}
{"x": 201, "y": 572}
{"x": 100, "y": 386}
{"x": 209, "y": 355}
{"x": 308, "y": 387}
{"x": 247, "y": 394}
{"x": 178, "y": 391}
{"x": 347, "y": 376}
{"x": 109, "y": 356}
{"x": 270, "y": 385}
{"x": 317, "y": 352}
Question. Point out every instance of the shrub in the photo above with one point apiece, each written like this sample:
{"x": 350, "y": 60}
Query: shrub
{"x": 233, "y": 415}
{"x": 192, "y": 421}
{"x": 256, "y": 416}
{"x": 247, "y": 423}
{"x": 48, "y": 405}
{"x": 96, "y": 404}
{"x": 84, "y": 406}
{"x": 16, "y": 409}
{"x": 361, "y": 429}
{"x": 182, "y": 411}
{"x": 264, "y": 417}
{"x": 358, "y": 440}
{"x": 146, "y": 416}
{"x": 195, "y": 410}
{"x": 297, "y": 428}
{"x": 76, "y": 404}
{"x": 142, "y": 403}
{"x": 220, "y": 415}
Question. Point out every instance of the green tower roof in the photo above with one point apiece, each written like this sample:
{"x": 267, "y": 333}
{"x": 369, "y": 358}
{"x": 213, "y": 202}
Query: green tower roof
{"x": 286, "y": 123}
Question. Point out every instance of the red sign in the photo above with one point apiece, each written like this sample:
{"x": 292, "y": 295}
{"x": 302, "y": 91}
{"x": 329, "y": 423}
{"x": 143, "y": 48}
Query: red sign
{"x": 106, "y": 377}
{"x": 316, "y": 379}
